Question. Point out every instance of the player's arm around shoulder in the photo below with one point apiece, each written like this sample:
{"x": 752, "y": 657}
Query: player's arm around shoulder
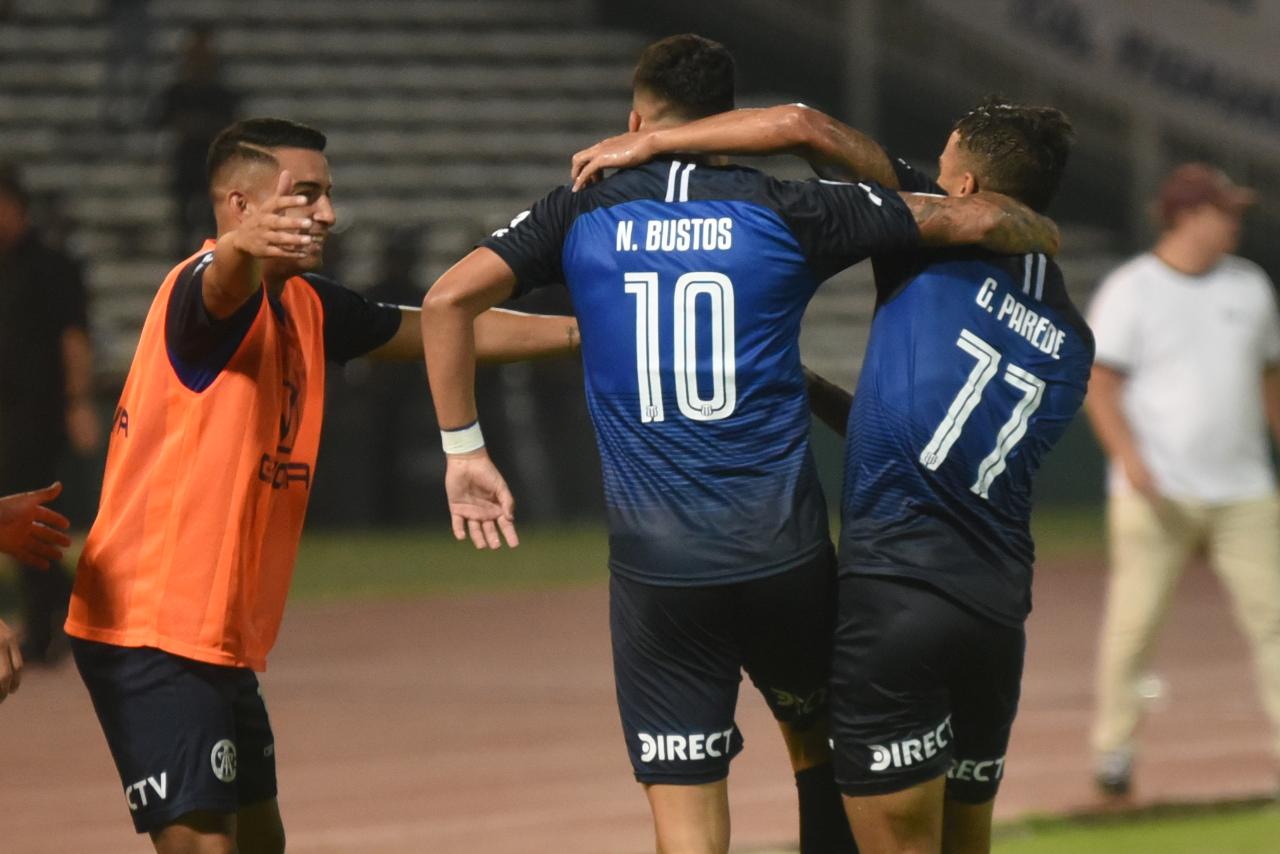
{"x": 991, "y": 220}
{"x": 832, "y": 148}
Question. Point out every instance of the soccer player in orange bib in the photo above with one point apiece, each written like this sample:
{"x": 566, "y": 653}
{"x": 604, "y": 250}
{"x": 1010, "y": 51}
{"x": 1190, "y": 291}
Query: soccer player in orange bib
{"x": 181, "y": 588}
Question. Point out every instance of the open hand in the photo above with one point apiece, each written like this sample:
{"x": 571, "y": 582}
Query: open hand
{"x": 30, "y": 531}
{"x": 616, "y": 152}
{"x": 480, "y": 504}
{"x": 10, "y": 662}
{"x": 268, "y": 232}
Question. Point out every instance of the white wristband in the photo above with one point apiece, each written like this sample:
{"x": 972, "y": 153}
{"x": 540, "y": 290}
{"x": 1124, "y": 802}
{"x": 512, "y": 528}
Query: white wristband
{"x": 462, "y": 441}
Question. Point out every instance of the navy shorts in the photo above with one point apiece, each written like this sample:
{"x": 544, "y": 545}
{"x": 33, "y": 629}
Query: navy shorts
{"x": 920, "y": 687}
{"x": 185, "y": 735}
{"x": 679, "y": 653}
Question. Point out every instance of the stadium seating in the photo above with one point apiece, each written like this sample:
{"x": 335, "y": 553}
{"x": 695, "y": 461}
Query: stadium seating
{"x": 452, "y": 114}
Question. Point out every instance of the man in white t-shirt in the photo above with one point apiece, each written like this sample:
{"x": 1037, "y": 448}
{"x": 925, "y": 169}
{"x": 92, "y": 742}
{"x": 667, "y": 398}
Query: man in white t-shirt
{"x": 1185, "y": 384}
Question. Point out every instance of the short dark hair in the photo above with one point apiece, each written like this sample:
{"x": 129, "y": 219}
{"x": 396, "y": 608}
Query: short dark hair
{"x": 1022, "y": 150}
{"x": 692, "y": 74}
{"x": 253, "y": 139}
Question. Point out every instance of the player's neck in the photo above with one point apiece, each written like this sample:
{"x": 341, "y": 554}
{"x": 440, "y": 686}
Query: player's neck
{"x": 1187, "y": 256}
{"x": 702, "y": 159}
{"x": 698, "y": 158}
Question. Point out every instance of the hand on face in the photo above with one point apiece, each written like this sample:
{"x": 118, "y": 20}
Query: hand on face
{"x": 305, "y": 178}
{"x": 272, "y": 229}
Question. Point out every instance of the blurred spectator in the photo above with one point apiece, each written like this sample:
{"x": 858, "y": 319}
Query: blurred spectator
{"x": 1186, "y": 381}
{"x": 127, "y": 58}
{"x": 45, "y": 388}
{"x": 395, "y": 390}
{"x": 195, "y": 107}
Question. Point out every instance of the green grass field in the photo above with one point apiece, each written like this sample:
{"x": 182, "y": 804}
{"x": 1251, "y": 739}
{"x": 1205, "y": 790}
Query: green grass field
{"x": 379, "y": 564}
{"x": 1252, "y": 829}
{"x": 382, "y": 564}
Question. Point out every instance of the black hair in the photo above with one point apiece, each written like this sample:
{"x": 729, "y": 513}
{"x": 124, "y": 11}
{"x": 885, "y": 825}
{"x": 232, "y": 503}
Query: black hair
{"x": 1021, "y": 151}
{"x": 253, "y": 139}
{"x": 692, "y": 74}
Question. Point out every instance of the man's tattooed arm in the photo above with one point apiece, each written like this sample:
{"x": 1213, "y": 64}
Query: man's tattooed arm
{"x": 990, "y": 220}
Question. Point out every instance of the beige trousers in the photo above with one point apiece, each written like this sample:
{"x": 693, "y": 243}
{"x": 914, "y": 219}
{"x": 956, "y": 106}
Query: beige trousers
{"x": 1149, "y": 550}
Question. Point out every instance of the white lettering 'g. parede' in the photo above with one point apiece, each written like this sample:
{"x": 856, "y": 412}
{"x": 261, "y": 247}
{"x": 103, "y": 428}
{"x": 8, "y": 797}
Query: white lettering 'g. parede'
{"x": 704, "y": 234}
{"x": 669, "y": 748}
{"x": 1036, "y": 328}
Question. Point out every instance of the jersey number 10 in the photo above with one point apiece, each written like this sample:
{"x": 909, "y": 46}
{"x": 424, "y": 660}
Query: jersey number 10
{"x": 987, "y": 365}
{"x": 718, "y": 293}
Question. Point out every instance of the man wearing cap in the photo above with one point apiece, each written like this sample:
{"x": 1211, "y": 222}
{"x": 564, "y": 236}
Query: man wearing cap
{"x": 1185, "y": 385}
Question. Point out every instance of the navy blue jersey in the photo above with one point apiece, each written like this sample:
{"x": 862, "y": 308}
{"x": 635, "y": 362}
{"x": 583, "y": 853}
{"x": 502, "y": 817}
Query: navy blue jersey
{"x": 689, "y": 282}
{"x": 975, "y": 366}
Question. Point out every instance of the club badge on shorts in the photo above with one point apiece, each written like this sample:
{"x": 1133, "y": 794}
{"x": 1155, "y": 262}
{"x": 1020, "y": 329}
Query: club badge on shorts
{"x": 223, "y": 760}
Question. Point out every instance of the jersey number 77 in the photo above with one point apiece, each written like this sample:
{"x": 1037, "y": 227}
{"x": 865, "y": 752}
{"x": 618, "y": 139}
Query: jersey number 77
{"x": 986, "y": 366}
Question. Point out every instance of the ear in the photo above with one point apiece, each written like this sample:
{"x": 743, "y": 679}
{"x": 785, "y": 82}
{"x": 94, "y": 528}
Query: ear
{"x": 634, "y": 122}
{"x": 968, "y": 185}
{"x": 237, "y": 204}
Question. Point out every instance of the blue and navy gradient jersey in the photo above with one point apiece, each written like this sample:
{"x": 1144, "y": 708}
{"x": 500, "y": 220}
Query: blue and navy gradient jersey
{"x": 689, "y": 282}
{"x": 975, "y": 366}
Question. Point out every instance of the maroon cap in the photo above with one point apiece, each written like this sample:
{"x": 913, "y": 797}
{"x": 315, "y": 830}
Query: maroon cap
{"x": 1194, "y": 184}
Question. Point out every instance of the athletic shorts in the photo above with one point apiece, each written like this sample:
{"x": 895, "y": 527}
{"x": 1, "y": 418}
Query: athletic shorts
{"x": 184, "y": 735}
{"x": 920, "y": 687}
{"x": 678, "y": 656}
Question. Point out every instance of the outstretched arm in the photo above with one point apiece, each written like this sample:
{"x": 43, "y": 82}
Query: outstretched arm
{"x": 990, "y": 220}
{"x": 480, "y": 504}
{"x": 501, "y": 335}
{"x": 828, "y": 402}
{"x": 832, "y": 148}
